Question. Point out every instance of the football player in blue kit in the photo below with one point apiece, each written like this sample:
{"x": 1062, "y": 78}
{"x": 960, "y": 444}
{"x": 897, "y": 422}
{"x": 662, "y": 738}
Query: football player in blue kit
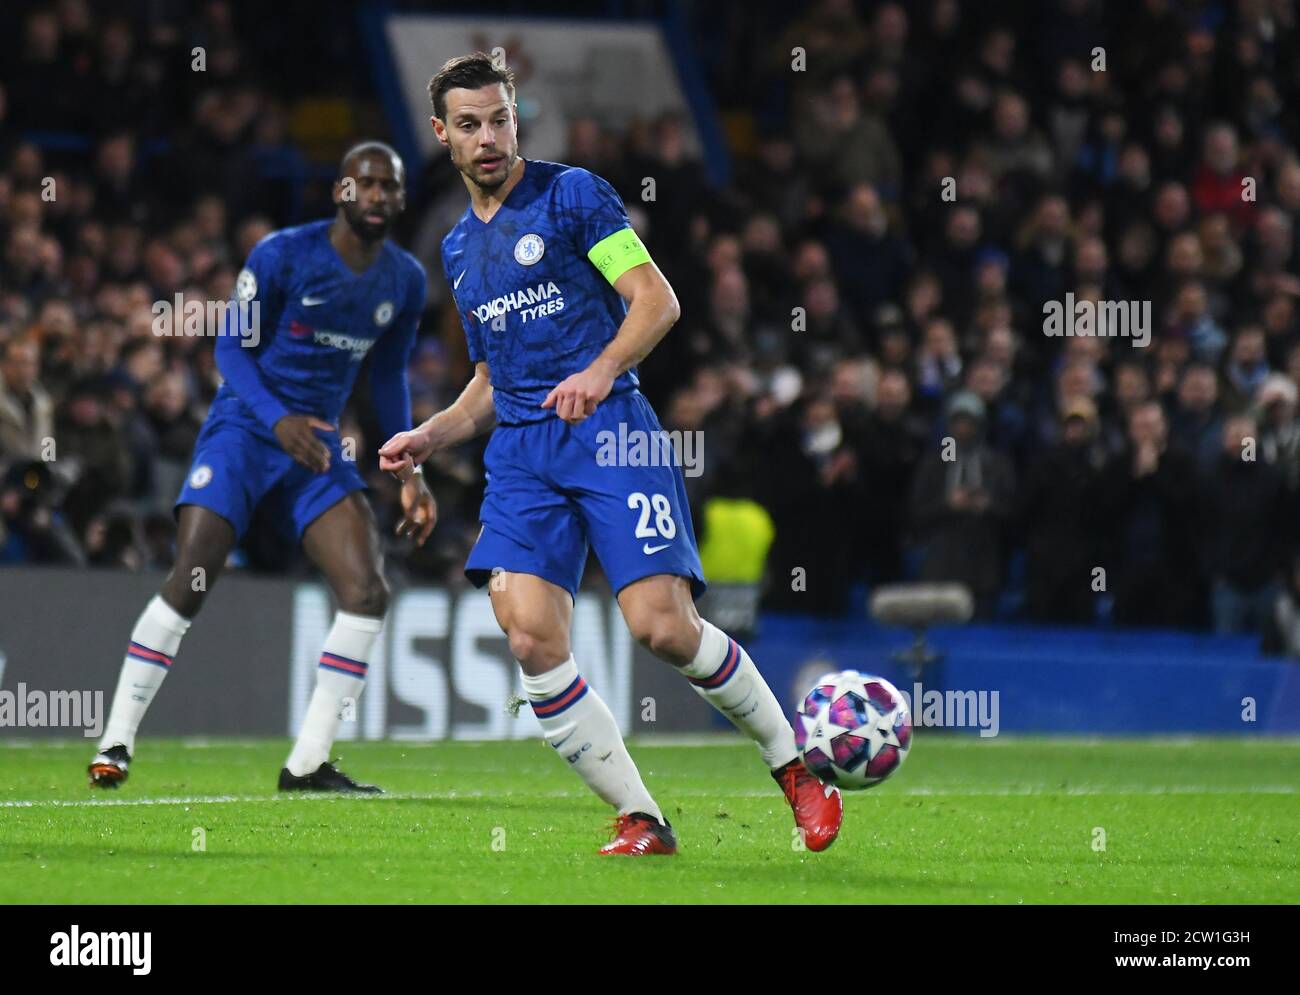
{"x": 310, "y": 304}
{"x": 560, "y": 300}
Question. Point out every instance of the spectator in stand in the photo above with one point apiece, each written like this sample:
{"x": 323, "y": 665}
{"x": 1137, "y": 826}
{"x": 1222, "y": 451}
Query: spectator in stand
{"x": 889, "y": 451}
{"x": 1246, "y": 365}
{"x": 1274, "y": 409}
{"x": 847, "y": 144}
{"x": 1190, "y": 319}
{"x": 26, "y": 411}
{"x": 1219, "y": 182}
{"x": 1280, "y": 332}
{"x": 168, "y": 427}
{"x": 811, "y": 491}
{"x": 1248, "y": 530}
{"x": 938, "y": 364}
{"x": 1016, "y": 150}
{"x": 870, "y": 262}
{"x": 829, "y": 331}
{"x": 954, "y": 262}
{"x": 961, "y": 499}
{"x": 1195, "y": 425}
{"x": 1147, "y": 497}
{"x": 1040, "y": 267}
{"x": 1060, "y": 524}
{"x": 1007, "y": 425}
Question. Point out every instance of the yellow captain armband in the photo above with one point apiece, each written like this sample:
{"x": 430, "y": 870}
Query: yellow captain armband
{"x": 615, "y": 254}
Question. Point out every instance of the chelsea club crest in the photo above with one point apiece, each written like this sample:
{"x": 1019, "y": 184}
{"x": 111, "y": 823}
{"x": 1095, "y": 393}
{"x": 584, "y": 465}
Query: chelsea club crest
{"x": 529, "y": 249}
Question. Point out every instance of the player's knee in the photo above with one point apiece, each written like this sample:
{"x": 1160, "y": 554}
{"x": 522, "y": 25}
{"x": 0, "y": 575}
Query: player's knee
{"x": 364, "y": 596}
{"x": 667, "y": 634}
{"x": 536, "y": 649}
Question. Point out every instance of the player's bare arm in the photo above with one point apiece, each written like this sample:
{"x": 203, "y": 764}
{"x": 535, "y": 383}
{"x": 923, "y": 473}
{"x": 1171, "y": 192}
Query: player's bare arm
{"x": 419, "y": 510}
{"x": 468, "y": 417}
{"x": 652, "y": 309}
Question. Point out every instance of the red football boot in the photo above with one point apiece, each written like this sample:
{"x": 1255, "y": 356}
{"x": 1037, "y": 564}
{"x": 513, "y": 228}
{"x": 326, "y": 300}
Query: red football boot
{"x": 109, "y": 768}
{"x": 818, "y": 808}
{"x": 637, "y": 835}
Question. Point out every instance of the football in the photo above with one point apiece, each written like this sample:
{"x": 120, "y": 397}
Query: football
{"x": 853, "y": 730}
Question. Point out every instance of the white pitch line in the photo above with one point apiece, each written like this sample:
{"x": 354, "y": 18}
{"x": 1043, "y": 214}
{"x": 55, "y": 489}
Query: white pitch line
{"x": 1025, "y": 792}
{"x": 228, "y": 799}
{"x": 1100, "y": 789}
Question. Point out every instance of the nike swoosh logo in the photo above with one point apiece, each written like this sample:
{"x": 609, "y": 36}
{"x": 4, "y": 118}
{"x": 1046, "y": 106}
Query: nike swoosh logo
{"x": 458, "y": 279}
{"x": 312, "y": 301}
{"x": 606, "y": 756}
{"x": 563, "y": 741}
{"x": 648, "y": 549}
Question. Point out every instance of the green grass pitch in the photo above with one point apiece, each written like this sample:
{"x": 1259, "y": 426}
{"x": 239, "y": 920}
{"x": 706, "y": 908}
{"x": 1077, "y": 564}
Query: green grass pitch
{"x": 965, "y": 820}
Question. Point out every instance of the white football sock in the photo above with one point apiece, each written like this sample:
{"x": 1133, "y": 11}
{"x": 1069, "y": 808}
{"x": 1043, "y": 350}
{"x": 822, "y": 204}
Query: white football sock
{"x": 727, "y": 679}
{"x": 582, "y": 729}
{"x": 154, "y": 641}
{"x": 340, "y": 678}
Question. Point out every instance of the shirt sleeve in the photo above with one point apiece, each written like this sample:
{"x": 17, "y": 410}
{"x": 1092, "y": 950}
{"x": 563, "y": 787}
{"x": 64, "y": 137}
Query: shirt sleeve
{"x": 389, "y": 389}
{"x": 250, "y": 320}
{"x": 596, "y": 220}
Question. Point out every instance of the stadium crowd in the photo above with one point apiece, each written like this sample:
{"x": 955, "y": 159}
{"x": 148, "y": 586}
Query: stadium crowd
{"x": 863, "y": 345}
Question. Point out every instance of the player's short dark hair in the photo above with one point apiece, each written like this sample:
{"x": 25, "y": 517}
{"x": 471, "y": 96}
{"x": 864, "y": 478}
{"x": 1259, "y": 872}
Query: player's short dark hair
{"x": 468, "y": 72}
{"x": 372, "y": 147}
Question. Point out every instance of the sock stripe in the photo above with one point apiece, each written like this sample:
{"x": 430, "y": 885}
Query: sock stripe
{"x": 723, "y": 673}
{"x": 138, "y": 651}
{"x": 565, "y": 699}
{"x": 354, "y": 668}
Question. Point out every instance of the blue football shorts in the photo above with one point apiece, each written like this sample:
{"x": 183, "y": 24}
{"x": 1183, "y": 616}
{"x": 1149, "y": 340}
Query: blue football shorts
{"x": 239, "y": 464}
{"x": 610, "y": 481}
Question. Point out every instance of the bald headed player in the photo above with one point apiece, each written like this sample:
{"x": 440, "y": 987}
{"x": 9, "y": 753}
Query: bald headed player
{"x": 560, "y": 301}
{"x": 310, "y": 304}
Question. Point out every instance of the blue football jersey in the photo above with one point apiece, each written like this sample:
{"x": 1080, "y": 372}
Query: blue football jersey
{"x": 535, "y": 305}
{"x": 316, "y": 322}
